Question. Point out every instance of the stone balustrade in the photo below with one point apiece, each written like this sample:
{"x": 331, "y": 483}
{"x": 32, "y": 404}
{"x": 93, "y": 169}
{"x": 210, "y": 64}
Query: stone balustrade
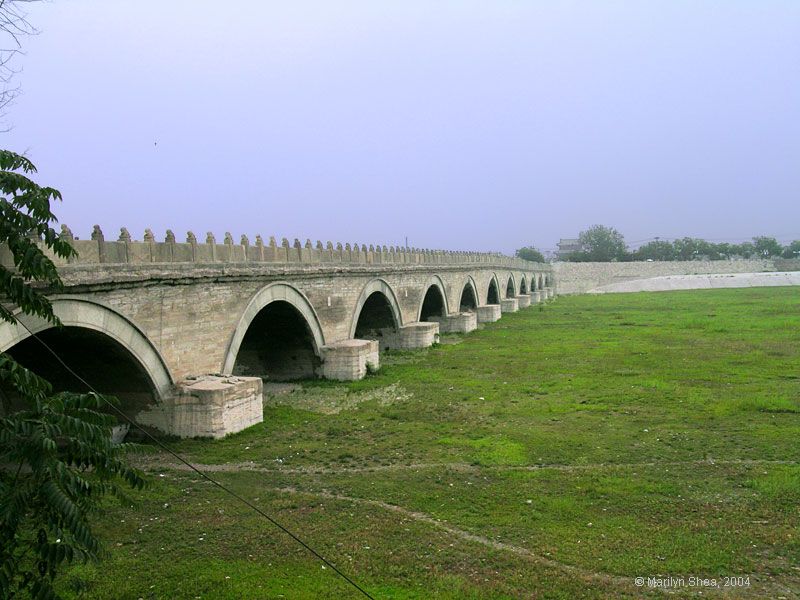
{"x": 126, "y": 250}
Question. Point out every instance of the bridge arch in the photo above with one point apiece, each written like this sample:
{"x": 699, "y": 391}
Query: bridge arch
{"x": 434, "y": 300}
{"x": 379, "y": 295}
{"x": 469, "y": 296}
{"x": 106, "y": 324}
{"x": 511, "y": 286}
{"x": 493, "y": 293}
{"x": 523, "y": 286}
{"x": 541, "y": 281}
{"x": 299, "y": 327}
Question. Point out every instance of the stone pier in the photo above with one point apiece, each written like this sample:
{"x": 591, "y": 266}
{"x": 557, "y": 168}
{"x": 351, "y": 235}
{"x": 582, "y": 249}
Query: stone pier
{"x": 348, "y": 360}
{"x": 209, "y": 406}
{"x": 488, "y": 313}
{"x": 523, "y": 300}
{"x": 415, "y": 335}
{"x": 509, "y": 305}
{"x": 536, "y": 297}
{"x": 462, "y": 322}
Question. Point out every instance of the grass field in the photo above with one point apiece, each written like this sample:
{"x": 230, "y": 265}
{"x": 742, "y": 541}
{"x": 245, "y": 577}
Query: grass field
{"x": 558, "y": 453}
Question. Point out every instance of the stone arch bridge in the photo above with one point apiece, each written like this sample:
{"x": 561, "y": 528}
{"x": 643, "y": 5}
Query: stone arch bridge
{"x": 185, "y": 333}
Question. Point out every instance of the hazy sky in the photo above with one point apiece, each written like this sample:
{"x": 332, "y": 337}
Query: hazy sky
{"x": 462, "y": 125}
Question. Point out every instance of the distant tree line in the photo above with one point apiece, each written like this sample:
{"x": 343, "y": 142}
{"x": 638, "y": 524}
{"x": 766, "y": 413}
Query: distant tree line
{"x": 530, "y": 253}
{"x": 693, "y": 249}
{"x": 605, "y": 244}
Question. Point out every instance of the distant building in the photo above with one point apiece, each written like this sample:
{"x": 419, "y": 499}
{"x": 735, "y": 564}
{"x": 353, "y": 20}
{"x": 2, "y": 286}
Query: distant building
{"x": 567, "y": 247}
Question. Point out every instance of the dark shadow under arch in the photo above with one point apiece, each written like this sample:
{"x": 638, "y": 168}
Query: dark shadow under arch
{"x": 493, "y": 297}
{"x": 510, "y": 291}
{"x": 99, "y": 359}
{"x": 376, "y": 321}
{"x": 433, "y": 304}
{"x": 278, "y": 346}
{"x": 523, "y": 287}
{"x": 469, "y": 300}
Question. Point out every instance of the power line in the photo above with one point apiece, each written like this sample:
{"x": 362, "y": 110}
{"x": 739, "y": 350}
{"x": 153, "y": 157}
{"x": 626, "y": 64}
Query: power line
{"x": 170, "y": 451}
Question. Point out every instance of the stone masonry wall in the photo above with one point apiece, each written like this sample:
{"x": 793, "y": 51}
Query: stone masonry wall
{"x": 190, "y": 312}
{"x": 577, "y": 278}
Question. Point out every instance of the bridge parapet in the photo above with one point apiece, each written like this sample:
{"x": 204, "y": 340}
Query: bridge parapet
{"x": 126, "y": 250}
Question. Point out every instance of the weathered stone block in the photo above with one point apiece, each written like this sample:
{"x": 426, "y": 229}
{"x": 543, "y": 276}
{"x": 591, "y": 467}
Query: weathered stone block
{"x": 209, "y": 406}
{"x": 462, "y": 322}
{"x": 509, "y": 305}
{"x": 348, "y": 360}
{"x": 488, "y": 313}
{"x": 536, "y": 297}
{"x": 415, "y": 335}
{"x": 523, "y": 300}
{"x": 550, "y": 292}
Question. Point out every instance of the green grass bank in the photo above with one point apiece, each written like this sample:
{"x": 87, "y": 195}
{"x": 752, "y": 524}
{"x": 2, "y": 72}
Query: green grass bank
{"x": 558, "y": 453}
